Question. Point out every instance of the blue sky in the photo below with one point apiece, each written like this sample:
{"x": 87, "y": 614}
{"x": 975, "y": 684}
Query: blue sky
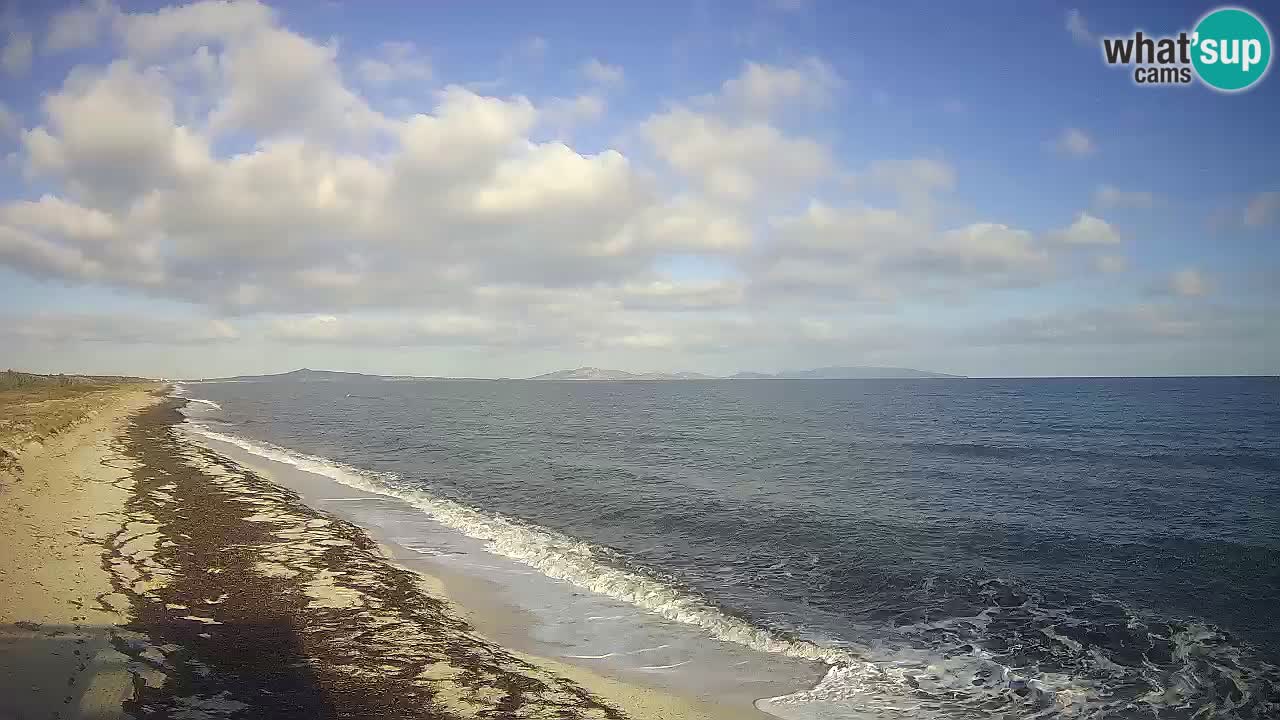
{"x": 506, "y": 189}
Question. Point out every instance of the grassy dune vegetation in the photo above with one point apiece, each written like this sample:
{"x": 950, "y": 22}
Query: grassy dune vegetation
{"x": 34, "y": 407}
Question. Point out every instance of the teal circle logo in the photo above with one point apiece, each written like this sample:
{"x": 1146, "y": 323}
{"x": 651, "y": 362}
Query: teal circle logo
{"x": 1231, "y": 49}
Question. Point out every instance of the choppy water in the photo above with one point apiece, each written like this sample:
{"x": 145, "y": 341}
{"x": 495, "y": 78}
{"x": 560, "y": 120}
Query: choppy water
{"x": 976, "y": 548}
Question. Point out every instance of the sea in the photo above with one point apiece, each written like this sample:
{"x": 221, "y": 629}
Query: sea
{"x": 958, "y": 548}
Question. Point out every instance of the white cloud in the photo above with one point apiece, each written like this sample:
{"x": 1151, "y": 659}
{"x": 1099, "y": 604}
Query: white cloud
{"x": 395, "y": 62}
{"x": 734, "y": 161}
{"x": 282, "y": 83}
{"x": 602, "y": 74}
{"x": 989, "y": 249}
{"x": 858, "y": 231}
{"x": 879, "y": 255}
{"x": 426, "y": 329}
{"x": 668, "y": 295}
{"x": 914, "y": 180}
{"x": 1188, "y": 282}
{"x": 1079, "y": 29}
{"x": 729, "y": 147}
{"x": 79, "y": 26}
{"x": 762, "y": 89}
{"x": 685, "y": 224}
{"x": 463, "y": 199}
{"x": 191, "y": 25}
{"x": 112, "y": 133}
{"x": 1111, "y": 197}
{"x": 52, "y": 237}
{"x": 1074, "y": 141}
{"x": 1087, "y": 230}
{"x": 1125, "y": 324}
{"x": 129, "y": 329}
{"x": 15, "y": 57}
{"x": 63, "y": 218}
{"x": 476, "y": 222}
{"x": 35, "y": 255}
{"x": 1263, "y": 209}
{"x": 564, "y": 114}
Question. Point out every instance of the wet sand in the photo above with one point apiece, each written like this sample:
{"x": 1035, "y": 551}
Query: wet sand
{"x": 497, "y": 597}
{"x": 154, "y": 578}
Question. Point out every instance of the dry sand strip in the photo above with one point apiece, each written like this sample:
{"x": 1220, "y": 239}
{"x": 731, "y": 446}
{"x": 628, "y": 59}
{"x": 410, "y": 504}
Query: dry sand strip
{"x": 154, "y": 578}
{"x": 63, "y": 487}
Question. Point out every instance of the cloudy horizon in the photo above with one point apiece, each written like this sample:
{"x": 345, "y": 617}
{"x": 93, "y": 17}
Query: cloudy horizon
{"x": 219, "y": 188}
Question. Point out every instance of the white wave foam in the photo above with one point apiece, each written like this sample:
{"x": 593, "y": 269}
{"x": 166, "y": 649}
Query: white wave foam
{"x": 887, "y": 683}
{"x": 557, "y": 556}
{"x": 179, "y": 390}
{"x": 202, "y": 401}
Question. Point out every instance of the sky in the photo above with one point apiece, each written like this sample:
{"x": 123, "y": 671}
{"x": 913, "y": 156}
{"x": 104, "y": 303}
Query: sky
{"x": 505, "y": 189}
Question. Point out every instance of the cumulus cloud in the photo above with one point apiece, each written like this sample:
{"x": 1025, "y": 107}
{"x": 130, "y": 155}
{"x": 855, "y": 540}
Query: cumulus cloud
{"x": 112, "y": 133}
{"x": 148, "y": 34}
{"x": 223, "y": 160}
{"x": 466, "y": 198}
{"x": 763, "y": 89}
{"x": 280, "y": 82}
{"x": 879, "y": 255}
{"x": 734, "y": 161}
{"x": 1087, "y": 230}
{"x": 1076, "y": 142}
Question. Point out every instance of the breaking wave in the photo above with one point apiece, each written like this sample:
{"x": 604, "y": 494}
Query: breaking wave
{"x": 944, "y": 669}
{"x": 179, "y": 390}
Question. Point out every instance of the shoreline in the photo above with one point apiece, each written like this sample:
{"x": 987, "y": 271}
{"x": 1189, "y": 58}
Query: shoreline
{"x": 192, "y": 586}
{"x": 497, "y": 612}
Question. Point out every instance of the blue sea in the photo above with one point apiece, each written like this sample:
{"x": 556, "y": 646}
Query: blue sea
{"x": 1091, "y": 548}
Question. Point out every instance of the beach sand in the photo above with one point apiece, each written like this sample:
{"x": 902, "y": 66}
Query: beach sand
{"x": 63, "y": 487}
{"x": 151, "y": 577}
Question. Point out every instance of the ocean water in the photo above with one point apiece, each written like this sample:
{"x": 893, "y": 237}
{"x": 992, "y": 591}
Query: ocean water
{"x": 955, "y": 549}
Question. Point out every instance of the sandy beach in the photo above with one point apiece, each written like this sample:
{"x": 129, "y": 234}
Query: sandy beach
{"x": 150, "y": 577}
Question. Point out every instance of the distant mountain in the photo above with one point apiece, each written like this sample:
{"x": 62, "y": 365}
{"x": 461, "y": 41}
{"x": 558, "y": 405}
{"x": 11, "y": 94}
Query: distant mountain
{"x": 309, "y": 375}
{"x": 606, "y": 375}
{"x": 860, "y": 373}
{"x": 826, "y": 373}
{"x": 303, "y": 374}
{"x": 602, "y": 374}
